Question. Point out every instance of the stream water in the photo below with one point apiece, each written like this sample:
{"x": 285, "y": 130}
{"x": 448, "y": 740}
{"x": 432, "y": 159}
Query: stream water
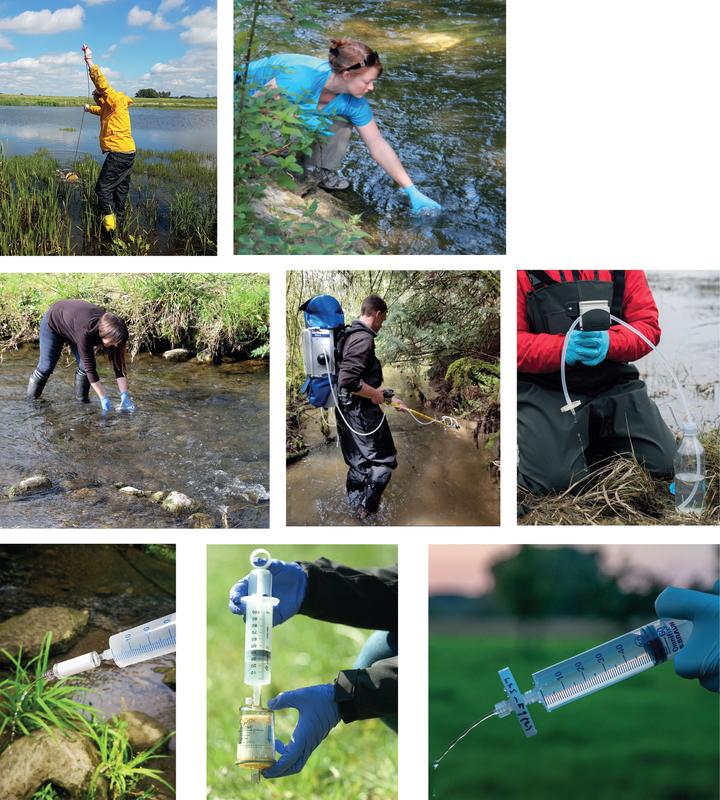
{"x": 121, "y": 586}
{"x": 442, "y": 478}
{"x": 26, "y": 129}
{"x": 441, "y": 105}
{"x": 198, "y": 429}
{"x": 689, "y": 306}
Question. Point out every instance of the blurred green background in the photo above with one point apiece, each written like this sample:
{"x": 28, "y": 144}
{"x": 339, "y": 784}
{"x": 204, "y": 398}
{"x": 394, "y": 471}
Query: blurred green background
{"x": 652, "y": 737}
{"x": 356, "y": 761}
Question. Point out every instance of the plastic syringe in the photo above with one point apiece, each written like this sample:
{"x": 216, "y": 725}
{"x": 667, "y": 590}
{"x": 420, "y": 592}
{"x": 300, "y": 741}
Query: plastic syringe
{"x": 151, "y": 640}
{"x": 595, "y": 669}
{"x": 259, "y": 604}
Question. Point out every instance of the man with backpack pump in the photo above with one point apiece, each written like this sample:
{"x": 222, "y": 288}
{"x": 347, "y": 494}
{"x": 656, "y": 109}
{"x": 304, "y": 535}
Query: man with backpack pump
{"x": 365, "y": 438}
{"x": 616, "y": 415}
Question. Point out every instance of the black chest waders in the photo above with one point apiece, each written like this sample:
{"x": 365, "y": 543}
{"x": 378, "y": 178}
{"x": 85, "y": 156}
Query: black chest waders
{"x": 614, "y": 414}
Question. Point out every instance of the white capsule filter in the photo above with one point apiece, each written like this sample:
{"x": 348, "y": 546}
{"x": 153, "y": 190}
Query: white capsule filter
{"x": 74, "y": 666}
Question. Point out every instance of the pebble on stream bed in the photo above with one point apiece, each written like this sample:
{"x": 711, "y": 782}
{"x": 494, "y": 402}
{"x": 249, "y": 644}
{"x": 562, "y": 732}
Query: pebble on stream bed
{"x": 36, "y": 483}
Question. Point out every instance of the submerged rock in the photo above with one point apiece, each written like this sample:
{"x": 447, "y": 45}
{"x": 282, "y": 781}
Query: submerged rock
{"x": 68, "y": 761}
{"x": 28, "y": 630}
{"x": 36, "y": 483}
{"x": 200, "y": 520}
{"x": 177, "y": 502}
{"x": 143, "y": 730}
{"x": 178, "y": 354}
{"x": 204, "y": 357}
{"x": 132, "y": 490}
{"x": 158, "y": 497}
{"x": 256, "y": 493}
{"x": 169, "y": 678}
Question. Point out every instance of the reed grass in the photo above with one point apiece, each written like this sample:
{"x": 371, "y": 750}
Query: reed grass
{"x": 168, "y": 103}
{"x": 172, "y": 207}
{"x": 621, "y": 492}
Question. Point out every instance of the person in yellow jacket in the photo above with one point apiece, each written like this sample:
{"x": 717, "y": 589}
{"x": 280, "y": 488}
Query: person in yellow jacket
{"x": 116, "y": 141}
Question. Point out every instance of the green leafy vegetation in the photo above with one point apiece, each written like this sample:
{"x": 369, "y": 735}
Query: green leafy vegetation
{"x": 270, "y": 138}
{"x": 28, "y": 702}
{"x": 224, "y": 314}
{"x": 358, "y": 760}
{"x": 172, "y": 207}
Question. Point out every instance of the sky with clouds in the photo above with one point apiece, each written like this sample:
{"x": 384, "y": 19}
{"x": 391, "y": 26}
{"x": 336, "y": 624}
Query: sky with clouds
{"x": 168, "y": 45}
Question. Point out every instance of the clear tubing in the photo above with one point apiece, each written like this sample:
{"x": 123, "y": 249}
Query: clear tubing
{"x": 604, "y": 665}
{"x": 570, "y": 405}
{"x": 337, "y": 406}
{"x": 155, "y": 638}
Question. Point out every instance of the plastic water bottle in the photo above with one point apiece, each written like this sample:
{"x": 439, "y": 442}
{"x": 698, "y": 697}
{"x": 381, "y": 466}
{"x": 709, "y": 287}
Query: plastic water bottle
{"x": 689, "y": 480}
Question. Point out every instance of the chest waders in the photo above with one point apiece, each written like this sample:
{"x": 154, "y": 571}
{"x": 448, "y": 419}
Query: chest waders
{"x": 612, "y": 413}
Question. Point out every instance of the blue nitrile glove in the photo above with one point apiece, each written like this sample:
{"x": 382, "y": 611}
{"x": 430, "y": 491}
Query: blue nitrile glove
{"x": 105, "y": 404}
{"x": 699, "y": 658}
{"x": 318, "y": 714}
{"x": 420, "y": 202}
{"x": 126, "y": 403}
{"x": 580, "y": 347}
{"x": 597, "y": 340}
{"x": 289, "y": 585}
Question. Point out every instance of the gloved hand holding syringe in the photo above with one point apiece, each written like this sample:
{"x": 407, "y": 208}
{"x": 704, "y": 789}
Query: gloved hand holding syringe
{"x": 151, "y": 640}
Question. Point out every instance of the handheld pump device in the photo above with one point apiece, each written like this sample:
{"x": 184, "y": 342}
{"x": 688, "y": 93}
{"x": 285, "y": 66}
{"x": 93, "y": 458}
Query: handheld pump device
{"x": 153, "y": 639}
{"x": 595, "y": 669}
{"x": 256, "y": 742}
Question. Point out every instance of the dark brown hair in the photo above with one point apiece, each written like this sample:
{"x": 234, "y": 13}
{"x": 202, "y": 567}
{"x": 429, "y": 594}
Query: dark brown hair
{"x": 113, "y": 328}
{"x": 349, "y": 54}
{"x": 371, "y": 304}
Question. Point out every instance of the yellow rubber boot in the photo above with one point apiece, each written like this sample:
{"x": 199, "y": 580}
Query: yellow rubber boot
{"x": 109, "y": 224}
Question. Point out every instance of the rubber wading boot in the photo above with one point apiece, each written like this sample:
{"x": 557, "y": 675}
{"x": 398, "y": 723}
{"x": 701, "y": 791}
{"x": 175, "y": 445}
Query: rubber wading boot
{"x": 109, "y": 224}
{"x": 35, "y": 386}
{"x": 82, "y": 386}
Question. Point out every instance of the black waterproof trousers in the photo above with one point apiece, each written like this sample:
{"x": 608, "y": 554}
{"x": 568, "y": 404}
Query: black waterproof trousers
{"x": 113, "y": 184}
{"x": 371, "y": 459}
{"x": 556, "y": 449}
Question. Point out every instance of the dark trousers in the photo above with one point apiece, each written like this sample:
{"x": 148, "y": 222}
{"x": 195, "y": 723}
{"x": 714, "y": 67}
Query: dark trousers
{"x": 371, "y": 459}
{"x": 113, "y": 184}
{"x": 557, "y": 449}
{"x": 51, "y": 345}
{"x": 379, "y": 646}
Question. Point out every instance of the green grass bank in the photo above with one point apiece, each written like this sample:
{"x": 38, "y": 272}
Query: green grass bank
{"x": 355, "y": 761}
{"x": 223, "y": 314}
{"x": 139, "y": 102}
{"x": 653, "y": 736}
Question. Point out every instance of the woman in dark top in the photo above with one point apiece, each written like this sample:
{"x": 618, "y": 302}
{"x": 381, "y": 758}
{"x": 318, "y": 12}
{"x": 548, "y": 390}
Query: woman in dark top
{"x": 84, "y": 327}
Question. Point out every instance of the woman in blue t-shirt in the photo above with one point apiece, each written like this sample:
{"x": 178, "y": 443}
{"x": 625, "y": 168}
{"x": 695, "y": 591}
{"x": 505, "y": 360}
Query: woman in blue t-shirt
{"x": 331, "y": 96}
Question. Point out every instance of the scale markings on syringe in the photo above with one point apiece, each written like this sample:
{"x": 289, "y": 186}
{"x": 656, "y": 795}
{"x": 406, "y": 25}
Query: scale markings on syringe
{"x": 151, "y": 645}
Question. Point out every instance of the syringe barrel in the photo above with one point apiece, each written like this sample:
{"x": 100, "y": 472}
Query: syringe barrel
{"x": 74, "y": 666}
{"x": 258, "y": 639}
{"x": 610, "y": 662}
{"x": 151, "y": 640}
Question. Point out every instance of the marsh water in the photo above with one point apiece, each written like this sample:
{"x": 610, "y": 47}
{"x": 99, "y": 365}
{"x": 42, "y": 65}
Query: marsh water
{"x": 442, "y": 478}
{"x": 121, "y": 586}
{"x": 441, "y": 105}
{"x": 26, "y": 129}
{"x": 199, "y": 429}
{"x": 689, "y": 307}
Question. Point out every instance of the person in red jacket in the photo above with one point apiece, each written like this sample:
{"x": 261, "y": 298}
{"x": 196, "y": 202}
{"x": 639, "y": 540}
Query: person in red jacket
{"x": 616, "y": 415}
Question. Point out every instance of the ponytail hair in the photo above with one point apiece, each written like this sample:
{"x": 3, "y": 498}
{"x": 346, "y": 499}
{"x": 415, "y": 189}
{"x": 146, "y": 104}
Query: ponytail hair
{"x": 113, "y": 328}
{"x": 349, "y": 54}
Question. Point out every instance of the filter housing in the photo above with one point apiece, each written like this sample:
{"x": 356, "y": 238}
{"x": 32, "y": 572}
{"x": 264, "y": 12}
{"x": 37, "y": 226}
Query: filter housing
{"x": 318, "y": 352}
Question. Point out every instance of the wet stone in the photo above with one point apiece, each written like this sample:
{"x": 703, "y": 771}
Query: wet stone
{"x": 131, "y": 490}
{"x": 204, "y": 357}
{"x": 143, "y": 730}
{"x": 68, "y": 761}
{"x": 178, "y": 354}
{"x": 28, "y": 630}
{"x": 200, "y": 520}
{"x": 158, "y": 497}
{"x": 169, "y": 678}
{"x": 177, "y": 503}
{"x": 36, "y": 483}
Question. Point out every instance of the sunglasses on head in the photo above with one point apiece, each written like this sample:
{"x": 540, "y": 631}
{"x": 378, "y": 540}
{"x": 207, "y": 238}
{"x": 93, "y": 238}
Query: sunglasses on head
{"x": 369, "y": 61}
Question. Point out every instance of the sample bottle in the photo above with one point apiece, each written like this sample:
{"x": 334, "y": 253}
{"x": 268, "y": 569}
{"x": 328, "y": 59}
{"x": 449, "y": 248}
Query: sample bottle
{"x": 690, "y": 472}
{"x": 256, "y": 741}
